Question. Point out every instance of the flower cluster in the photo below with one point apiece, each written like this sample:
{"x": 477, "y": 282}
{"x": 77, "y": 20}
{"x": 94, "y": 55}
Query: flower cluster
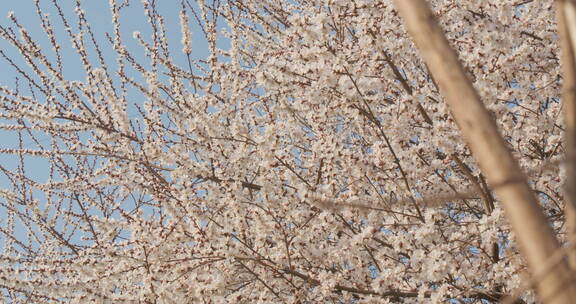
{"x": 312, "y": 160}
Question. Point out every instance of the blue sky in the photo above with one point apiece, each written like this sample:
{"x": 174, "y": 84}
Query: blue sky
{"x": 98, "y": 14}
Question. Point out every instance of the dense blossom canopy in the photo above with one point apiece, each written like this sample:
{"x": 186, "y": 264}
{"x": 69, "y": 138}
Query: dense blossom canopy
{"x": 311, "y": 159}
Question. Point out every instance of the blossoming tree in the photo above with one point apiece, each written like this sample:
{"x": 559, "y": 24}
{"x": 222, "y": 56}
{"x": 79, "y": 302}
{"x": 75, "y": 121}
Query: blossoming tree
{"x": 313, "y": 159}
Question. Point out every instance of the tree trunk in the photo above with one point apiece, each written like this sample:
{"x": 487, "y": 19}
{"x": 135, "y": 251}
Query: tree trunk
{"x": 535, "y": 236}
{"x": 566, "y": 18}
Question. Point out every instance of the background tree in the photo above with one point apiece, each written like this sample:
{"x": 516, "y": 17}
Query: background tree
{"x": 312, "y": 159}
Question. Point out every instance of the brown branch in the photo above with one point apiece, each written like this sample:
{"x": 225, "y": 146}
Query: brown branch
{"x": 566, "y": 15}
{"x": 488, "y": 203}
{"x": 389, "y": 293}
{"x": 535, "y": 236}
